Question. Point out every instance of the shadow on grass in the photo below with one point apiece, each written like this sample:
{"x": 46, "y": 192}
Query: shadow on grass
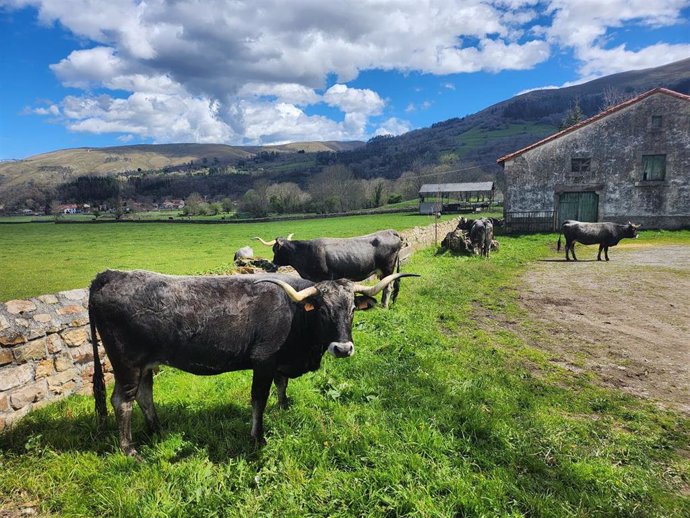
{"x": 566, "y": 261}
{"x": 220, "y": 430}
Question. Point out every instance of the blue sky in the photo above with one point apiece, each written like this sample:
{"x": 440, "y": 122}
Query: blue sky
{"x": 77, "y": 73}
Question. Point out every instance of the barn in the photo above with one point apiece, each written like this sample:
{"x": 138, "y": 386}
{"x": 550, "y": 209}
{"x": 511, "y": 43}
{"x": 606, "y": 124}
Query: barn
{"x": 629, "y": 162}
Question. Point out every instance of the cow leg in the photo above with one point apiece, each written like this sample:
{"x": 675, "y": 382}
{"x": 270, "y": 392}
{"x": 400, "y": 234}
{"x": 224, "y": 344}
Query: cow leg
{"x": 122, "y": 398}
{"x": 281, "y": 383}
{"x": 261, "y": 387}
{"x": 601, "y": 247}
{"x": 572, "y": 250}
{"x": 606, "y": 252}
{"x": 145, "y": 400}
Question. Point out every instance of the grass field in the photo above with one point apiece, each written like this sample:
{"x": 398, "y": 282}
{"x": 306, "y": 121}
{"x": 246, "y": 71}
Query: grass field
{"x": 442, "y": 412}
{"x": 45, "y": 258}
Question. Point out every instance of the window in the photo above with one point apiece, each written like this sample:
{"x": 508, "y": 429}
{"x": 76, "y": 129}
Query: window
{"x": 580, "y": 165}
{"x": 653, "y": 167}
{"x": 656, "y": 122}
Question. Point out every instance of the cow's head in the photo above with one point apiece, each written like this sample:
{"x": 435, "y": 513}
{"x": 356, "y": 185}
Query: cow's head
{"x": 333, "y": 304}
{"x": 631, "y": 230}
{"x": 281, "y": 249}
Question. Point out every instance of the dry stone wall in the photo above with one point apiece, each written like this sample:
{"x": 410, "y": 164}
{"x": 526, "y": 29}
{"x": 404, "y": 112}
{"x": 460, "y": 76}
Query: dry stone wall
{"x": 45, "y": 342}
{"x": 45, "y": 352}
{"x": 422, "y": 237}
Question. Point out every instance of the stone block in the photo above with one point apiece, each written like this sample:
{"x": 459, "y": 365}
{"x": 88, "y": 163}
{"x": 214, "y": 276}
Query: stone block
{"x": 5, "y": 356}
{"x": 4, "y": 323}
{"x": 43, "y": 317}
{"x": 48, "y": 299}
{"x": 56, "y": 381}
{"x": 75, "y": 337}
{"x": 4, "y": 403}
{"x": 83, "y": 353}
{"x": 44, "y": 368}
{"x": 15, "y": 376}
{"x": 65, "y": 389}
{"x": 71, "y": 309}
{"x": 34, "y": 350}
{"x": 10, "y": 337}
{"x": 63, "y": 361}
{"x": 54, "y": 343}
{"x": 18, "y": 307}
{"x": 79, "y": 294}
{"x": 80, "y": 321}
{"x": 29, "y": 394}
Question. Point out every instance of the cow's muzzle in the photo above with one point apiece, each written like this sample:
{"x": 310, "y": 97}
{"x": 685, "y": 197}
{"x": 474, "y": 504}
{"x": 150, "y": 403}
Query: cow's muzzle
{"x": 341, "y": 349}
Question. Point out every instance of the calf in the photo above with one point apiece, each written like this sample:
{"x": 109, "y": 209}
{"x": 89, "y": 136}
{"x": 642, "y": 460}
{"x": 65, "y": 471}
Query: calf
{"x": 604, "y": 234}
{"x": 276, "y": 325}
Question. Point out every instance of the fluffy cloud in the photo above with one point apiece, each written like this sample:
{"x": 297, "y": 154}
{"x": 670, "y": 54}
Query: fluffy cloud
{"x": 239, "y": 71}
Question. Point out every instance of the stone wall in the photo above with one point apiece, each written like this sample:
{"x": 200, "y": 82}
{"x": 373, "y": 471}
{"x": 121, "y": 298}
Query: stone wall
{"x": 45, "y": 342}
{"x": 422, "y": 237}
{"x": 45, "y": 352}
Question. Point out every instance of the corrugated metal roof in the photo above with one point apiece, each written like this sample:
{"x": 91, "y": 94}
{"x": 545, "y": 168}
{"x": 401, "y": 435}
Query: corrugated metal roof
{"x": 596, "y": 117}
{"x": 434, "y": 188}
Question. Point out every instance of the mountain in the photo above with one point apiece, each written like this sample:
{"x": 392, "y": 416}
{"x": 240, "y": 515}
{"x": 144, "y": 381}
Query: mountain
{"x": 466, "y": 147}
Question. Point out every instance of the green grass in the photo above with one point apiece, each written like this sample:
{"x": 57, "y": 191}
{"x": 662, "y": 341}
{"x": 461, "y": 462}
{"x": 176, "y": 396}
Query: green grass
{"x": 45, "y": 258}
{"x": 441, "y": 412}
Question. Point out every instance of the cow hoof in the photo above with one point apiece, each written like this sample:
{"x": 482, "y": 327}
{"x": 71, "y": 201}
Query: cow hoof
{"x": 284, "y": 404}
{"x": 259, "y": 442}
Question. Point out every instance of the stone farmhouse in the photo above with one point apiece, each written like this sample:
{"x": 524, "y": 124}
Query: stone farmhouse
{"x": 629, "y": 162}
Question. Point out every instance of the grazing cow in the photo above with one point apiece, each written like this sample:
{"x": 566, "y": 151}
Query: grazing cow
{"x": 602, "y": 234}
{"x": 245, "y": 252}
{"x": 277, "y": 325}
{"x": 481, "y": 235}
{"x": 354, "y": 258}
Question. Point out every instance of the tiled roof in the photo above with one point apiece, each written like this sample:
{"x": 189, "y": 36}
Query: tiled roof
{"x": 596, "y": 117}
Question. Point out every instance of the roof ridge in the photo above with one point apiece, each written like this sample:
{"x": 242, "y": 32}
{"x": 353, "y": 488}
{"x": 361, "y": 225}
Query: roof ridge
{"x": 593, "y": 118}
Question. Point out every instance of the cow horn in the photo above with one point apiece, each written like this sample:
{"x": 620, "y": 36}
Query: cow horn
{"x": 373, "y": 290}
{"x": 296, "y": 296}
{"x": 267, "y": 243}
{"x": 289, "y": 238}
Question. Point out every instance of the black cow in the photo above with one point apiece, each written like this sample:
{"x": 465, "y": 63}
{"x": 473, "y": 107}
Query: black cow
{"x": 602, "y": 234}
{"x": 354, "y": 258}
{"x": 277, "y": 325}
{"x": 481, "y": 235}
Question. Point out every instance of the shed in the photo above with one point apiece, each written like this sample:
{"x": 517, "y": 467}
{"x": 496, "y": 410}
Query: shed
{"x": 455, "y": 197}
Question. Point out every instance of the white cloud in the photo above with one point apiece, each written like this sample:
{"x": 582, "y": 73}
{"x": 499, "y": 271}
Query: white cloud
{"x": 240, "y": 71}
{"x": 393, "y": 126}
{"x": 354, "y": 100}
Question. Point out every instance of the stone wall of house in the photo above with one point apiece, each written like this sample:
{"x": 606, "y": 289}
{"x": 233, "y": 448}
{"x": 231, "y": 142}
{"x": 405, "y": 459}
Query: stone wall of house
{"x": 45, "y": 342}
{"x": 45, "y": 352}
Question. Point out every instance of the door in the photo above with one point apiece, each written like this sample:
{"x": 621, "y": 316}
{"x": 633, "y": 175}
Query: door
{"x": 580, "y": 206}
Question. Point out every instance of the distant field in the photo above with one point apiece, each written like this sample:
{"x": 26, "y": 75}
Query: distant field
{"x": 45, "y": 258}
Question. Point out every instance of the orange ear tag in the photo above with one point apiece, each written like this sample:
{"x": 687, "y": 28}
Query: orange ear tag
{"x": 308, "y": 306}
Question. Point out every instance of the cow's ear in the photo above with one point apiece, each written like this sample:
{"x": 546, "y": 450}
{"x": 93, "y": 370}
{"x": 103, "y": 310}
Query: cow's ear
{"x": 364, "y": 302}
{"x": 308, "y": 305}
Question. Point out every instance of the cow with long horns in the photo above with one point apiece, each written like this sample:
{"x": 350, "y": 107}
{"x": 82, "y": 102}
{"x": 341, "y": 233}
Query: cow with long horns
{"x": 603, "y": 234}
{"x": 354, "y": 258}
{"x": 279, "y": 326}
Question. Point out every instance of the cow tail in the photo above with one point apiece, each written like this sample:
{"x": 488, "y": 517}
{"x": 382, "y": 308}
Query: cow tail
{"x": 558, "y": 245}
{"x": 98, "y": 377}
{"x": 396, "y": 282}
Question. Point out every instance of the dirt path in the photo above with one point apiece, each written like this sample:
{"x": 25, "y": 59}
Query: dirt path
{"x": 627, "y": 320}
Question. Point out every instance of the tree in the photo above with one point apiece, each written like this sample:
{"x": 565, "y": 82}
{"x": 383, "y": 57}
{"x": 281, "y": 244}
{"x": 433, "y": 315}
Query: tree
{"x": 573, "y": 116}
